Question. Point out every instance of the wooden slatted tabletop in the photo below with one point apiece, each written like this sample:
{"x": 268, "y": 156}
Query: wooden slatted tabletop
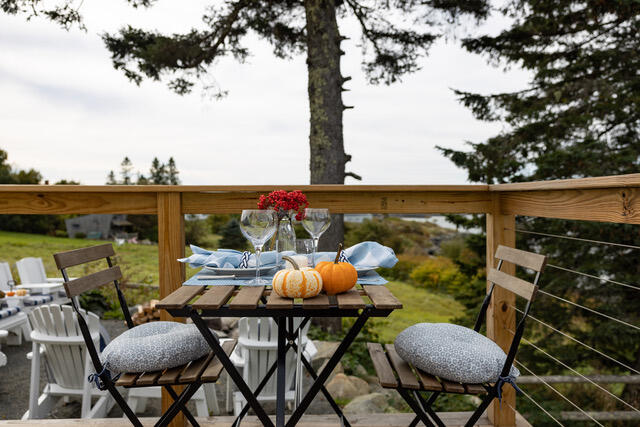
{"x": 248, "y": 298}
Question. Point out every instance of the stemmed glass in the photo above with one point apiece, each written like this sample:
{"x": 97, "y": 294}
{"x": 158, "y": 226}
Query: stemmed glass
{"x": 316, "y": 222}
{"x": 257, "y": 226}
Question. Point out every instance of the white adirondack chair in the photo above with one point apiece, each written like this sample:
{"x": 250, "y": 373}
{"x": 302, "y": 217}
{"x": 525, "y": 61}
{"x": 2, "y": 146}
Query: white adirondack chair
{"x": 34, "y": 277}
{"x": 257, "y": 350}
{"x": 57, "y": 337}
{"x": 3, "y": 357}
{"x": 12, "y": 319}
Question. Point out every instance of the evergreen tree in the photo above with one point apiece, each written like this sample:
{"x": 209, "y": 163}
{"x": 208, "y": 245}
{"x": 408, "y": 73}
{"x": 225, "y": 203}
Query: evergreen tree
{"x": 126, "y": 168}
{"x": 158, "y": 172}
{"x": 111, "y": 178}
{"x": 394, "y": 36}
{"x": 579, "y": 117}
{"x": 231, "y": 236}
{"x": 172, "y": 172}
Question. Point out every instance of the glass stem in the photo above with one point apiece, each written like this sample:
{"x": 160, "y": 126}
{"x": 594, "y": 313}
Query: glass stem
{"x": 258, "y": 252}
{"x": 313, "y": 254}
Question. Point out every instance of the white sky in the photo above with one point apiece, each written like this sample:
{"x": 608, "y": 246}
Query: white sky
{"x": 65, "y": 111}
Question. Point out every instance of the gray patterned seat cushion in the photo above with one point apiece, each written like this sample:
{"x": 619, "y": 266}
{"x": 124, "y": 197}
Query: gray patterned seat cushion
{"x": 452, "y": 352}
{"x": 154, "y": 346}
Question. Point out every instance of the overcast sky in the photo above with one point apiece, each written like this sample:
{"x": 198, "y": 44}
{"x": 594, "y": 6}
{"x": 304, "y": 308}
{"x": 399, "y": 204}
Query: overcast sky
{"x": 68, "y": 113}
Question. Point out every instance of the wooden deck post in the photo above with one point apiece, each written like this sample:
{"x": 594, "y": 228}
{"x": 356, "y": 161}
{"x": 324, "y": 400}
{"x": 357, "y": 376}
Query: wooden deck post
{"x": 500, "y": 317}
{"x": 172, "y": 273}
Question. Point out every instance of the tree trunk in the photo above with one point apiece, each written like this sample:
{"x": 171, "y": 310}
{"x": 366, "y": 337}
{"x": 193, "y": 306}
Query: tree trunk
{"x": 327, "y": 156}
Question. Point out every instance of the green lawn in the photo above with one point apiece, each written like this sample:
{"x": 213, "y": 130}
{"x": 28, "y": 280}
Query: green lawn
{"x": 419, "y": 305}
{"x": 139, "y": 264}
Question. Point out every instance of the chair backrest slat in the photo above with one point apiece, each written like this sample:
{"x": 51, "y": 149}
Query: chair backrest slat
{"x": 5, "y": 276}
{"x": 92, "y": 281}
{"x": 83, "y": 255}
{"x": 522, "y": 258}
{"x": 31, "y": 270}
{"x": 517, "y": 286}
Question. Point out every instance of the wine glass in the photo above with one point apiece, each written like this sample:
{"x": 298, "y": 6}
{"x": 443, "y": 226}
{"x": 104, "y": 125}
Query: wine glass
{"x": 316, "y": 222}
{"x": 257, "y": 226}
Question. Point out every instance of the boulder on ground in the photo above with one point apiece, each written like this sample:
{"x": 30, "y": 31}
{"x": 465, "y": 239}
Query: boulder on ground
{"x": 367, "y": 404}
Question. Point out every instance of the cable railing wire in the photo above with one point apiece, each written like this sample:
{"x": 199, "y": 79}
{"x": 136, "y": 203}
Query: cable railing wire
{"x": 559, "y": 394}
{"x": 578, "y": 341}
{"x": 580, "y": 273}
{"x": 559, "y": 236}
{"x": 539, "y": 407}
{"x": 622, "y": 322}
{"x": 526, "y": 341}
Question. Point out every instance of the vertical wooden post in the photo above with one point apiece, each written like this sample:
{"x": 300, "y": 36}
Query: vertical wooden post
{"x": 500, "y": 315}
{"x": 172, "y": 273}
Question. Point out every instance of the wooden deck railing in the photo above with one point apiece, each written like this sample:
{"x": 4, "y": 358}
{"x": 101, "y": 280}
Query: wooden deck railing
{"x": 606, "y": 199}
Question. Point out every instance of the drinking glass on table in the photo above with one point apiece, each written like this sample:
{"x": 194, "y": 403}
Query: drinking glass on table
{"x": 258, "y": 225}
{"x": 316, "y": 222}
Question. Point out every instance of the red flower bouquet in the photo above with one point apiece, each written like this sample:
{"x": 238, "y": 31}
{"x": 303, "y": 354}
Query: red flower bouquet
{"x": 285, "y": 203}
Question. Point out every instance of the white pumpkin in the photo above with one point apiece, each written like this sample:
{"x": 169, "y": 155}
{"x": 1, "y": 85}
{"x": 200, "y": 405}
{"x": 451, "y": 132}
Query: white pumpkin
{"x": 297, "y": 283}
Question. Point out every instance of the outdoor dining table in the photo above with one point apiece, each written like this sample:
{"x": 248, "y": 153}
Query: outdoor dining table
{"x": 361, "y": 303}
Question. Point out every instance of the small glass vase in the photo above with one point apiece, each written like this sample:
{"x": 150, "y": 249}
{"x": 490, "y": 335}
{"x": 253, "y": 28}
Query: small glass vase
{"x": 285, "y": 237}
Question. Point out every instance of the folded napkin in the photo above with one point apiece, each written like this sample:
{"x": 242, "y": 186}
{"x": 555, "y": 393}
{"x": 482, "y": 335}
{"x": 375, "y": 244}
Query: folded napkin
{"x": 364, "y": 254}
{"x": 228, "y": 258}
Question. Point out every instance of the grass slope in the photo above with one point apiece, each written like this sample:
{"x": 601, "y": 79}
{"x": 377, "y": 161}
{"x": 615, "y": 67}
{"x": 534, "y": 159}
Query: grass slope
{"x": 419, "y": 305}
{"x": 139, "y": 264}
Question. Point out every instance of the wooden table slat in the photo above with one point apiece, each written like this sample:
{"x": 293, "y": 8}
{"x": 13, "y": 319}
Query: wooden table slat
{"x": 382, "y": 297}
{"x": 429, "y": 382}
{"x": 275, "y": 301}
{"x": 248, "y": 297}
{"x": 212, "y": 371}
{"x": 127, "y": 379}
{"x": 318, "y": 302}
{"x": 381, "y": 365}
{"x": 195, "y": 369}
{"x": 405, "y": 374}
{"x": 179, "y": 297}
{"x": 148, "y": 378}
{"x": 214, "y": 298}
{"x": 350, "y": 300}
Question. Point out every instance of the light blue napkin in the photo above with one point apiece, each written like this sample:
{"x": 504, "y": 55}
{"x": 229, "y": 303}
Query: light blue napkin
{"x": 364, "y": 254}
{"x": 227, "y": 258}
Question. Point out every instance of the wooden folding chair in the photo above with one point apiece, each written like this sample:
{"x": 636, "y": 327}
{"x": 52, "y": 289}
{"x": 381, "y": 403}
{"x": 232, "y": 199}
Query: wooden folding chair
{"x": 393, "y": 372}
{"x": 192, "y": 375}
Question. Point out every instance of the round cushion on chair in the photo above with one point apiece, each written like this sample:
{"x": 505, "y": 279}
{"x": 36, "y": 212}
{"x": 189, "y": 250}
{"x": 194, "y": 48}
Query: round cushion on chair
{"x": 154, "y": 346}
{"x": 452, "y": 352}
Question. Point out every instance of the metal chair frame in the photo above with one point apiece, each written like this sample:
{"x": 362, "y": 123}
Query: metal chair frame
{"x": 422, "y": 407}
{"x": 105, "y": 381}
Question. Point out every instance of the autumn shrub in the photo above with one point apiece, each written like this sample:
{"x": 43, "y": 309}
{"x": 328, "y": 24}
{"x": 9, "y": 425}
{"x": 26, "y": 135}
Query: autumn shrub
{"x": 438, "y": 273}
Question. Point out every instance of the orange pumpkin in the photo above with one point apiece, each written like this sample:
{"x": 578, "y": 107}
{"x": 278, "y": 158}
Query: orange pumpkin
{"x": 337, "y": 277}
{"x": 297, "y": 283}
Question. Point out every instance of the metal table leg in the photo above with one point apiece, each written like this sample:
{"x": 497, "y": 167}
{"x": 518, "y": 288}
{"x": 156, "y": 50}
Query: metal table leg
{"x": 280, "y": 386}
{"x": 331, "y": 364}
{"x": 231, "y": 370}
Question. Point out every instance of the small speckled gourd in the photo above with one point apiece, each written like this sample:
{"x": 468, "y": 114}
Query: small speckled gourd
{"x": 297, "y": 283}
{"x": 337, "y": 277}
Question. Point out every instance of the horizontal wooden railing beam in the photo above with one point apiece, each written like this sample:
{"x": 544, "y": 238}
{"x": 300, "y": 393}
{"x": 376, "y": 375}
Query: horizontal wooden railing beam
{"x": 75, "y": 201}
{"x": 354, "y": 201}
{"x": 616, "y": 181}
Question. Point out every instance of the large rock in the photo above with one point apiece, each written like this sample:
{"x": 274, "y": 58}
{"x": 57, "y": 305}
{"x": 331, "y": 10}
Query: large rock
{"x": 361, "y": 385}
{"x": 341, "y": 387}
{"x": 367, "y": 404}
{"x": 326, "y": 349}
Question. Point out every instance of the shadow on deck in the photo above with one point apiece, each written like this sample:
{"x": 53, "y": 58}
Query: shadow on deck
{"x": 369, "y": 420}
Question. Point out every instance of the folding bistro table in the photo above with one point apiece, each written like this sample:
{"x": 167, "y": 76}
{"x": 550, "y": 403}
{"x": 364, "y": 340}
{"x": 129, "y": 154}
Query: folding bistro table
{"x": 233, "y": 301}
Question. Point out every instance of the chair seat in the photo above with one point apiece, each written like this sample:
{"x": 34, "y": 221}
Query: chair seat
{"x": 37, "y": 300}
{"x": 206, "y": 369}
{"x": 7, "y": 312}
{"x": 393, "y": 372}
{"x": 452, "y": 352}
{"x": 154, "y": 346}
